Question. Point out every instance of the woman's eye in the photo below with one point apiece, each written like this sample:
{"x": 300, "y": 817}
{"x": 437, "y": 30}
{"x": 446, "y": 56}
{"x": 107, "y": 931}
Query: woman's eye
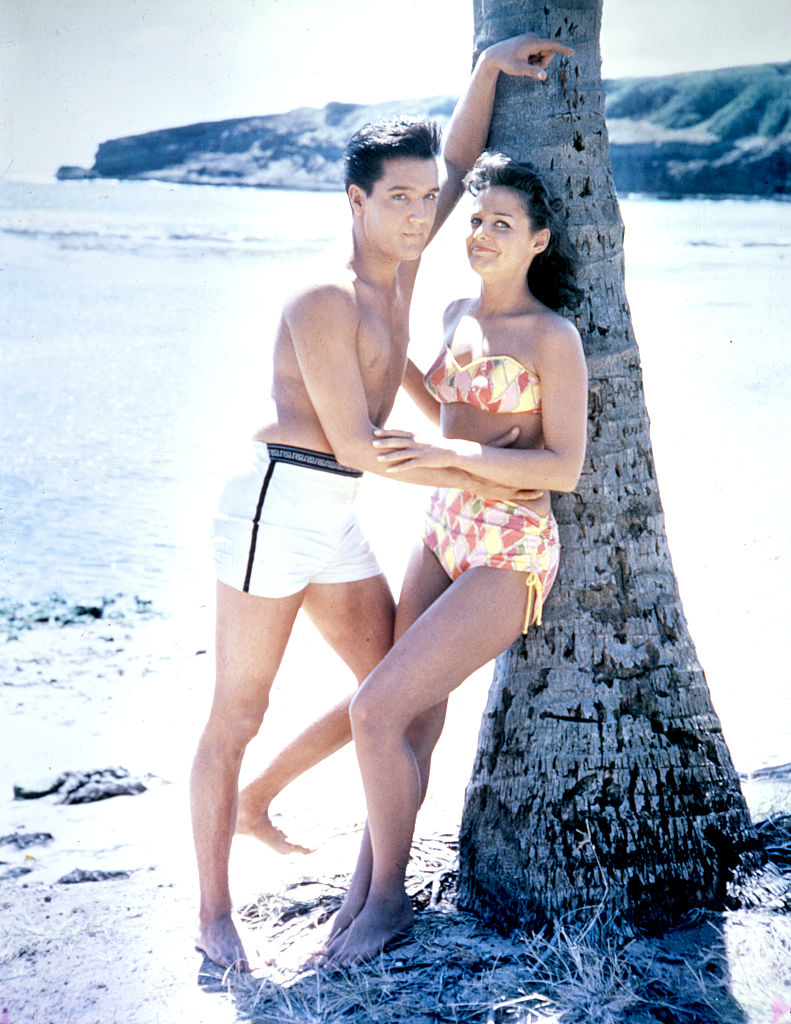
{"x": 475, "y": 222}
{"x": 502, "y": 224}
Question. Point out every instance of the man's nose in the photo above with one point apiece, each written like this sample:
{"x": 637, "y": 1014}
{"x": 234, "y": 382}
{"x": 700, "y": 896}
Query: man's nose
{"x": 419, "y": 211}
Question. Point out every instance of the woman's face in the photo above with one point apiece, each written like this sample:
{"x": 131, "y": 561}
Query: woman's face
{"x": 501, "y": 238}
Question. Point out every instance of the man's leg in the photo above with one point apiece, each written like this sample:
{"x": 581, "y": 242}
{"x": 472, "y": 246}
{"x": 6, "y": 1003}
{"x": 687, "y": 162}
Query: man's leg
{"x": 252, "y": 633}
{"x": 356, "y": 620}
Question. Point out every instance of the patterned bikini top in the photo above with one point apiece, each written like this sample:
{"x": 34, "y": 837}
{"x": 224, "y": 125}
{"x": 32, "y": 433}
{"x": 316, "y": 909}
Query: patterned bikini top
{"x": 492, "y": 384}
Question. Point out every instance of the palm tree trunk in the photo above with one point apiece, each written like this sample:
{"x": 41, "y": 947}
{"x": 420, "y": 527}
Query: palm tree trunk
{"x": 602, "y": 776}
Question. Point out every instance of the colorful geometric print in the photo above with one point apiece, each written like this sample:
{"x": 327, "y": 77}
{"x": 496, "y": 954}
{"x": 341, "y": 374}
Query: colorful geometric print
{"x": 464, "y": 530}
{"x": 493, "y": 384}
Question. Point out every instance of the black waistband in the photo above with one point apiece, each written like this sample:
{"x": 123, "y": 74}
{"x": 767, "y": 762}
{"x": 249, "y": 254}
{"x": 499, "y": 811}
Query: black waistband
{"x": 309, "y": 459}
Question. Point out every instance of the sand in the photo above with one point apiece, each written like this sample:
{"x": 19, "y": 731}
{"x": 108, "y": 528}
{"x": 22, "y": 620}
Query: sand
{"x": 134, "y": 692}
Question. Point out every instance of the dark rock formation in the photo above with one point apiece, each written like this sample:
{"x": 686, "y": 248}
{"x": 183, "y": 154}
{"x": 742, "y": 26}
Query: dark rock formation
{"x": 16, "y": 872}
{"x": 16, "y": 617}
{"x": 79, "y": 875}
{"x": 707, "y": 132}
{"x": 83, "y": 787}
{"x": 70, "y": 173}
{"x": 22, "y": 840}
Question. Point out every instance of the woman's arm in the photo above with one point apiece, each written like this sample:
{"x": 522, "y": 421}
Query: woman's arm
{"x": 524, "y": 56}
{"x": 554, "y": 467}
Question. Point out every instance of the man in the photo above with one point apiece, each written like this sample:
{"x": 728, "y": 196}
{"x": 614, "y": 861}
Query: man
{"x": 286, "y": 537}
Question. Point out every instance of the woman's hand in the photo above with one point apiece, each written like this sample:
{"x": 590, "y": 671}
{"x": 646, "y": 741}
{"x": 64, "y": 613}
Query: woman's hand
{"x": 525, "y": 56}
{"x": 403, "y": 451}
{"x": 497, "y": 492}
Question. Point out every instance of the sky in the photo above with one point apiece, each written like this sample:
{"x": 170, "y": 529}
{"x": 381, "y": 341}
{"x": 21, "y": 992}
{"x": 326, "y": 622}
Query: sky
{"x": 78, "y": 72}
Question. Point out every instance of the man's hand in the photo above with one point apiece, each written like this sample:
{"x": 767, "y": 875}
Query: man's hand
{"x": 525, "y": 56}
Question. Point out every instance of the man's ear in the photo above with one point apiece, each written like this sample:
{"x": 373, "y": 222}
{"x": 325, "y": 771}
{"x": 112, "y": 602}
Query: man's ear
{"x": 356, "y": 197}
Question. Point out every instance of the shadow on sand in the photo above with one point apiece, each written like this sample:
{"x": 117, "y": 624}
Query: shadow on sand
{"x": 728, "y": 967}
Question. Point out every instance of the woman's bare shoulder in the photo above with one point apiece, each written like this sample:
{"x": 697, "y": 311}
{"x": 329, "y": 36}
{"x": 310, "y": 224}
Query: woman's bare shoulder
{"x": 458, "y": 308}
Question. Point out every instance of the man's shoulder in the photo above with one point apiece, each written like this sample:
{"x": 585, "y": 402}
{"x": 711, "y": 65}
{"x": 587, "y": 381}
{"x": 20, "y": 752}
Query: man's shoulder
{"x": 323, "y": 297}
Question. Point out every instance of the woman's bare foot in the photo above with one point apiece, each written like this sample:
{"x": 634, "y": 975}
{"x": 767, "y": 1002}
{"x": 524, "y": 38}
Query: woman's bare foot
{"x": 377, "y": 924}
{"x": 353, "y": 903}
{"x": 344, "y": 917}
{"x": 220, "y": 941}
{"x": 259, "y": 825}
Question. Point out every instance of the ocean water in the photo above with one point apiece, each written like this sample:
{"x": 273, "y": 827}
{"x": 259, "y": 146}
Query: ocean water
{"x": 136, "y": 328}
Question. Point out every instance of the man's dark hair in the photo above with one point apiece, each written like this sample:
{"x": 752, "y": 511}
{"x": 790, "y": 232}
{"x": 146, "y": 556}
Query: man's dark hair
{"x": 377, "y": 141}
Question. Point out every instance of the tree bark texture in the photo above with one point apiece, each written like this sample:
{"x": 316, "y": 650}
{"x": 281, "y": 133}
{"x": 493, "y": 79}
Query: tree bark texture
{"x": 602, "y": 778}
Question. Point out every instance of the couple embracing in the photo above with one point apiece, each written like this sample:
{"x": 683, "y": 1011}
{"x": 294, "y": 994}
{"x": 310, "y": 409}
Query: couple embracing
{"x": 508, "y": 390}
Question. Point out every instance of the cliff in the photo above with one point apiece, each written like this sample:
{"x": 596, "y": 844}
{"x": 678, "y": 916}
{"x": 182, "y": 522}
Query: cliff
{"x": 707, "y": 132}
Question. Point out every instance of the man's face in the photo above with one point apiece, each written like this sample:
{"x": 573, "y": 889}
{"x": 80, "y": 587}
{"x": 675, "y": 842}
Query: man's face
{"x": 399, "y": 213}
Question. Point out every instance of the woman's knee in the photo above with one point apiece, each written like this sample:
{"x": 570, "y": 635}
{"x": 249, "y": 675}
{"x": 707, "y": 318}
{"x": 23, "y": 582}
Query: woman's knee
{"x": 368, "y": 711}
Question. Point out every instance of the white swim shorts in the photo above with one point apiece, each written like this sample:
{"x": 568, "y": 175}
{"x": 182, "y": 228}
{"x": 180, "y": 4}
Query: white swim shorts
{"x": 289, "y": 521}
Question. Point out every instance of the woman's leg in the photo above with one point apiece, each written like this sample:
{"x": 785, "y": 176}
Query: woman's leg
{"x": 424, "y": 581}
{"x": 356, "y": 620}
{"x": 472, "y": 622}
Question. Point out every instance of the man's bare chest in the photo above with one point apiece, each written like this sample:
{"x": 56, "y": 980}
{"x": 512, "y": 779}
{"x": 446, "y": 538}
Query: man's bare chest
{"x": 382, "y": 346}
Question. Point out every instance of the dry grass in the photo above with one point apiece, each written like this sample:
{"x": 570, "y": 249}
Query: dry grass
{"x": 726, "y": 968}
{"x": 23, "y": 936}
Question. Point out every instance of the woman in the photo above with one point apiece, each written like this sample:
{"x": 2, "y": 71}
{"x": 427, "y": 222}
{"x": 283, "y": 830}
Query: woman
{"x": 481, "y": 574}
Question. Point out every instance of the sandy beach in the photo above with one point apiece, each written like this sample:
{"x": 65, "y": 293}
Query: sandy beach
{"x": 132, "y": 687}
{"x": 133, "y": 691}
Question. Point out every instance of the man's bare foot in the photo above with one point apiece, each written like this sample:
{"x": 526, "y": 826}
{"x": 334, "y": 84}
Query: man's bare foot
{"x": 259, "y": 825}
{"x": 220, "y": 941}
{"x": 369, "y": 933}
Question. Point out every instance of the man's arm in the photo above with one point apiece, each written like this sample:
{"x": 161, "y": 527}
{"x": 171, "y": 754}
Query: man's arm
{"x": 416, "y": 389}
{"x": 323, "y": 325}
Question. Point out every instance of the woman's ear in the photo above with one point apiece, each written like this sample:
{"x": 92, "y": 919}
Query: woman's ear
{"x": 540, "y": 241}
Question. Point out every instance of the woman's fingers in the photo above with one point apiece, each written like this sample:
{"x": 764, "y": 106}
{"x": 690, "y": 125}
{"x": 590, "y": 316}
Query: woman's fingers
{"x": 386, "y": 432}
{"x": 401, "y": 441}
{"x": 505, "y": 439}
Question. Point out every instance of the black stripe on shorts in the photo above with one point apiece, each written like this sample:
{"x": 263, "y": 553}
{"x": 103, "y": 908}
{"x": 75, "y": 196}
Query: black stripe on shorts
{"x": 256, "y": 520}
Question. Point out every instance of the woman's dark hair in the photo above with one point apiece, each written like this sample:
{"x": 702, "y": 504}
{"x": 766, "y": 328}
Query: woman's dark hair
{"x": 369, "y": 147}
{"x": 552, "y": 274}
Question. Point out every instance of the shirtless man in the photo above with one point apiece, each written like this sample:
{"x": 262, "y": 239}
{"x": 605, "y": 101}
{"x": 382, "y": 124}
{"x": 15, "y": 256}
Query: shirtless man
{"x": 285, "y": 535}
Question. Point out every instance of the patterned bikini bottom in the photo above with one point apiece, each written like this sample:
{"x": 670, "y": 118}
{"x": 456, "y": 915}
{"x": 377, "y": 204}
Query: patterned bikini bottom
{"x": 464, "y": 530}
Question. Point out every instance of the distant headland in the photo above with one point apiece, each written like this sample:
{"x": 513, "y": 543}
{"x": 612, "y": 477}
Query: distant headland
{"x": 725, "y": 132}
